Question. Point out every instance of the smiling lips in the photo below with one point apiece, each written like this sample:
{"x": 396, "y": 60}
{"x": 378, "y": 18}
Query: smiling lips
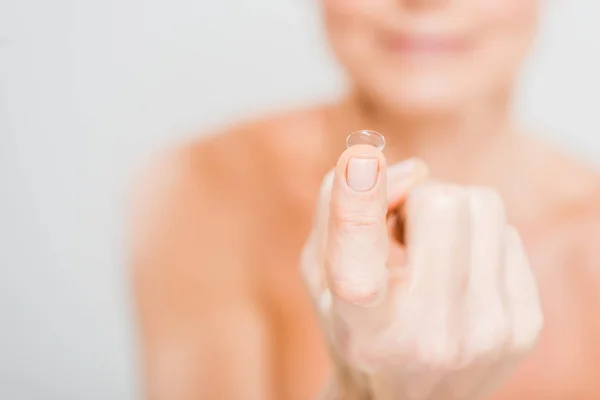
{"x": 425, "y": 45}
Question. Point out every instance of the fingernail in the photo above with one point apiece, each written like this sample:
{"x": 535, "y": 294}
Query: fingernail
{"x": 362, "y": 173}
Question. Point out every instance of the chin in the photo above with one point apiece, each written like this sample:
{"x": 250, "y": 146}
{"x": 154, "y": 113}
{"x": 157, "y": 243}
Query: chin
{"x": 408, "y": 91}
{"x": 420, "y": 100}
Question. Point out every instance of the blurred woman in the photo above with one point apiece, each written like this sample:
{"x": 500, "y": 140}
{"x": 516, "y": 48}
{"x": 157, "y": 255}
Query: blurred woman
{"x": 488, "y": 290}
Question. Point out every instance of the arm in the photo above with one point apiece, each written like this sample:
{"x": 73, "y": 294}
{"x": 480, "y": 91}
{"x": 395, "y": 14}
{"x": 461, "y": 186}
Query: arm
{"x": 202, "y": 334}
{"x": 202, "y": 355}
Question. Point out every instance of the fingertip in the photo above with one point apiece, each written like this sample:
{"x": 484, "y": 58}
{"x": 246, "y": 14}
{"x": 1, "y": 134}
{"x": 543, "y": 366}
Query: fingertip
{"x": 404, "y": 176}
{"x": 361, "y": 168}
{"x": 361, "y": 151}
{"x": 420, "y": 168}
{"x": 413, "y": 169}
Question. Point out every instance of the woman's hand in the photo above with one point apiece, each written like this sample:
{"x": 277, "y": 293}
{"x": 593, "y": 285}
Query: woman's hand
{"x": 448, "y": 315}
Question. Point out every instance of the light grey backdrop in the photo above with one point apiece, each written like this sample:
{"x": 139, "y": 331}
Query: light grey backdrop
{"x": 89, "y": 87}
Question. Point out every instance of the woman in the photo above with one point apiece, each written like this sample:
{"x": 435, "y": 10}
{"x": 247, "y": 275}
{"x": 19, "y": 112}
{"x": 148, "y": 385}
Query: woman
{"x": 448, "y": 309}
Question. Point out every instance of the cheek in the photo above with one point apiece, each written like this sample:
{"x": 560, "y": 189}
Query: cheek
{"x": 344, "y": 5}
{"x": 506, "y": 9}
{"x": 348, "y": 8}
{"x": 508, "y": 19}
{"x": 350, "y": 29}
{"x": 507, "y": 30}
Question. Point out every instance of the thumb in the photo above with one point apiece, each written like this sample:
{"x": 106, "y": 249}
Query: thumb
{"x": 357, "y": 242}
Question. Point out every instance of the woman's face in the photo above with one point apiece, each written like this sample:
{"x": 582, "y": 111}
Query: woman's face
{"x": 431, "y": 56}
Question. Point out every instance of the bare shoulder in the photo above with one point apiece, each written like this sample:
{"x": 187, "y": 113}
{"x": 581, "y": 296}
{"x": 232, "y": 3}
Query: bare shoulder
{"x": 580, "y": 231}
{"x": 253, "y": 154}
{"x": 576, "y": 188}
{"x": 238, "y": 149}
{"x": 568, "y": 187}
{"x": 574, "y": 192}
{"x": 566, "y": 257}
{"x": 206, "y": 189}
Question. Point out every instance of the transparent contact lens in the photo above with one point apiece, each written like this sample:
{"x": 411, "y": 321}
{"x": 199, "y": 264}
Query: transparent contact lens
{"x": 370, "y": 138}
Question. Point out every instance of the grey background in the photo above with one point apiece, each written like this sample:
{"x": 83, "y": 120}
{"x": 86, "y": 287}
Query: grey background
{"x": 88, "y": 88}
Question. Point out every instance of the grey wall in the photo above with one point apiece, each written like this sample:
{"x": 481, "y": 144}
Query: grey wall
{"x": 89, "y": 87}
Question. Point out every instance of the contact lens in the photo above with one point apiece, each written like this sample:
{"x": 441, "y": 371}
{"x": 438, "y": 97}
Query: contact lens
{"x": 367, "y": 137}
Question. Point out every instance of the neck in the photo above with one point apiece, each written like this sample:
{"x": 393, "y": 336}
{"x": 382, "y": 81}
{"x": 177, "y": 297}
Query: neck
{"x": 466, "y": 147}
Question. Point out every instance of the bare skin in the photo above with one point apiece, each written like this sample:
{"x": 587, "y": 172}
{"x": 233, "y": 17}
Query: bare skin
{"x": 224, "y": 313}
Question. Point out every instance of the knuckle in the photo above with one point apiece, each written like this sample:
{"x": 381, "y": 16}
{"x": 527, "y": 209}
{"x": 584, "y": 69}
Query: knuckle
{"x": 485, "y": 200}
{"x": 438, "y": 352}
{"x": 444, "y": 199}
{"x": 490, "y": 337}
{"x": 514, "y": 239}
{"x": 485, "y": 195}
{"x": 524, "y": 344}
{"x": 350, "y": 219}
{"x": 355, "y": 291}
{"x": 350, "y": 252}
{"x": 526, "y": 335}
